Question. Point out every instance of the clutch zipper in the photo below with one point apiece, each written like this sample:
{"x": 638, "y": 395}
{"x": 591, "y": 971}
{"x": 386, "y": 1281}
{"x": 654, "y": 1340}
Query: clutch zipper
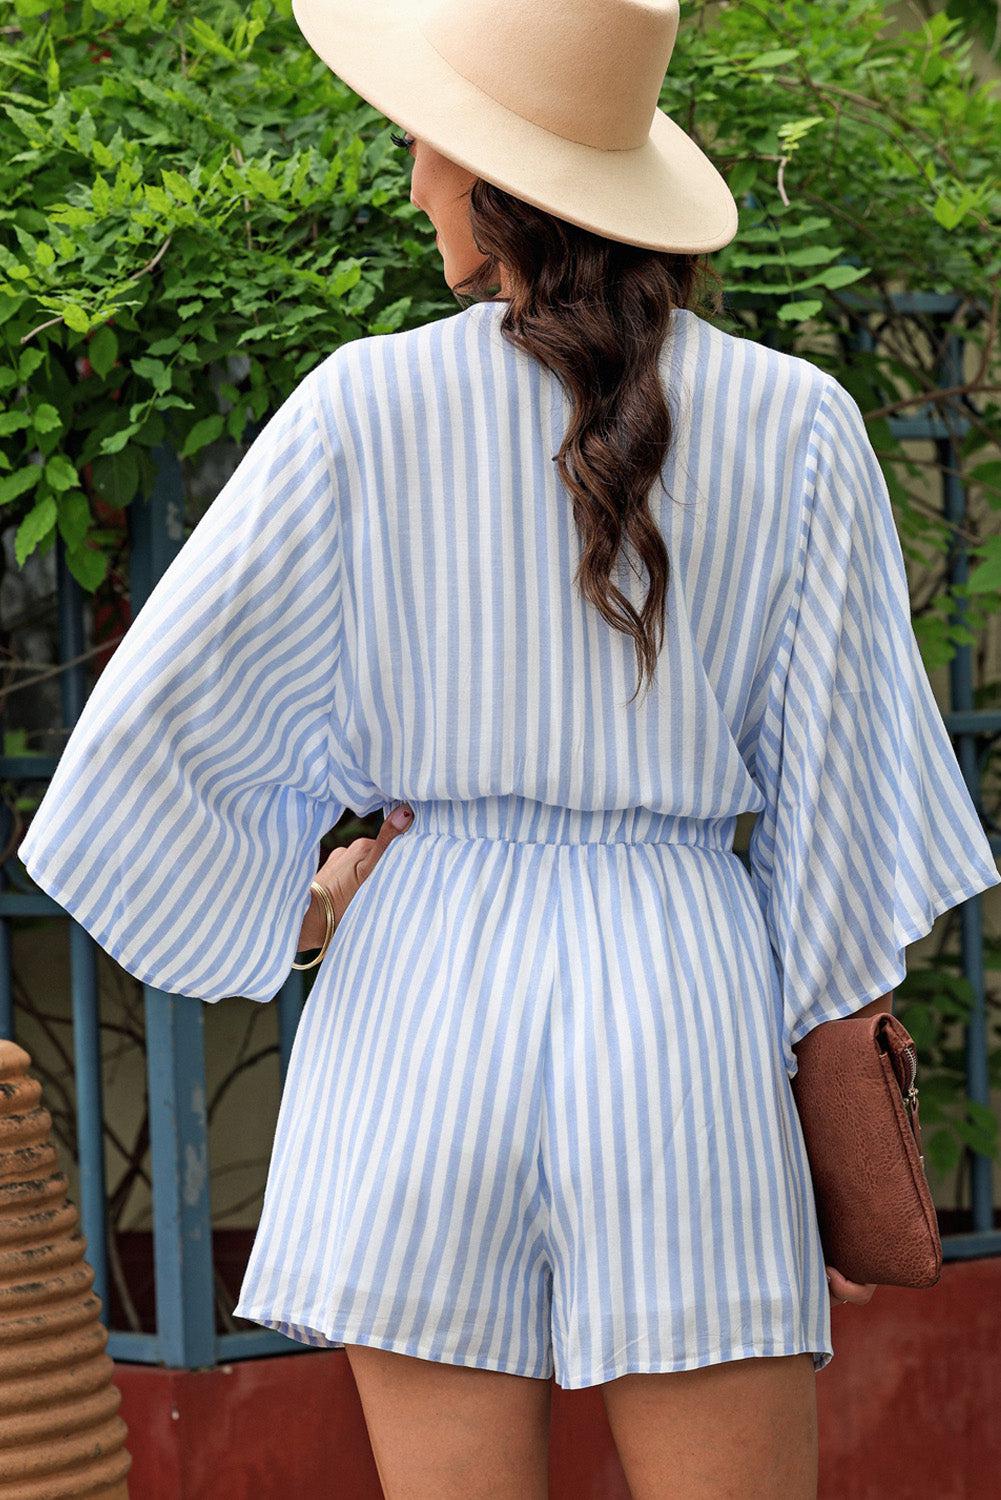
{"x": 910, "y": 1092}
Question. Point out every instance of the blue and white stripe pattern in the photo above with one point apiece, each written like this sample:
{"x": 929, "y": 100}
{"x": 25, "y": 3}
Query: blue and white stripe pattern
{"x": 538, "y": 1116}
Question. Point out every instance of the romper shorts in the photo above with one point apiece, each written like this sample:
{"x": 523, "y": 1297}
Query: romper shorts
{"x": 536, "y": 1117}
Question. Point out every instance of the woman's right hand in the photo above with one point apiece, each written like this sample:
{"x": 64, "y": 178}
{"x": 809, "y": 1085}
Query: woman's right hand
{"x": 843, "y": 1290}
{"x": 343, "y": 871}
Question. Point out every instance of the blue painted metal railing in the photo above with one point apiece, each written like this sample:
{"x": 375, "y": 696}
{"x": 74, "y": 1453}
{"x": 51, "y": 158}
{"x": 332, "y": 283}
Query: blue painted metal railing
{"x": 182, "y": 1230}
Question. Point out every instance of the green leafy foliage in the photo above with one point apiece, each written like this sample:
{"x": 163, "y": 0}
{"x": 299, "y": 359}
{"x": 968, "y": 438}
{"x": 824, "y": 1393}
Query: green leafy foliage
{"x": 865, "y": 163}
{"x": 191, "y": 201}
{"x": 934, "y": 1004}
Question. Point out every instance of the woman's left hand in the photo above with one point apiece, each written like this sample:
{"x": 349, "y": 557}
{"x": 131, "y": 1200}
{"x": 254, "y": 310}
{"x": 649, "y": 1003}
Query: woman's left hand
{"x": 843, "y": 1290}
{"x": 343, "y": 871}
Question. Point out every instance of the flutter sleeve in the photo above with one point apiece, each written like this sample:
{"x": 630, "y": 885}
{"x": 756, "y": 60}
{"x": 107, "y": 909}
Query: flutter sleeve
{"x": 868, "y": 831}
{"x": 182, "y": 824}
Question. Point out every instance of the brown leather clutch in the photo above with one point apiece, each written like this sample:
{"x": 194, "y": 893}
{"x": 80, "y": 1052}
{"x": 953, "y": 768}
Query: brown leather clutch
{"x": 855, "y": 1090}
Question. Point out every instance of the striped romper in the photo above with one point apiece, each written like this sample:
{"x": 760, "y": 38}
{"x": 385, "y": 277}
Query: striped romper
{"x": 538, "y": 1116}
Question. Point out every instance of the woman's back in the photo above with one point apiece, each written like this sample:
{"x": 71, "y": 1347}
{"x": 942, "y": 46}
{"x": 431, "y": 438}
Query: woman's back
{"x": 473, "y": 666}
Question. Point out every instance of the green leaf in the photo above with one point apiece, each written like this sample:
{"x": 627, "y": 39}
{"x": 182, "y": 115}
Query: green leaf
{"x": 346, "y": 277}
{"x": 13, "y": 421}
{"x": 60, "y": 473}
{"x": 88, "y": 566}
{"x": 202, "y": 32}
{"x": 157, "y": 199}
{"x": 776, "y": 58}
{"x": 393, "y": 316}
{"x": 85, "y": 131}
{"x": 102, "y": 155}
{"x": 164, "y": 346}
{"x": 100, "y": 194}
{"x": 986, "y": 578}
{"x": 988, "y": 474}
{"x": 792, "y": 132}
{"x": 179, "y": 186}
{"x": 236, "y": 421}
{"x": 813, "y": 255}
{"x": 18, "y": 483}
{"x": 920, "y": 1022}
{"x": 116, "y": 477}
{"x": 204, "y": 432}
{"x": 46, "y": 418}
{"x": 742, "y": 178}
{"x": 798, "y": 312}
{"x": 950, "y": 212}
{"x": 982, "y": 1115}
{"x": 29, "y": 362}
{"x": 153, "y": 370}
{"x": 102, "y": 350}
{"x": 976, "y": 1136}
{"x": 74, "y": 317}
{"x": 36, "y": 524}
{"x": 942, "y": 1150}
{"x": 29, "y": 126}
{"x": 73, "y": 517}
{"x": 839, "y": 276}
{"x": 115, "y": 441}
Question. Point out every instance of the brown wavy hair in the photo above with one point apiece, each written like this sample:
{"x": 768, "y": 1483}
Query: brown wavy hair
{"x": 595, "y": 311}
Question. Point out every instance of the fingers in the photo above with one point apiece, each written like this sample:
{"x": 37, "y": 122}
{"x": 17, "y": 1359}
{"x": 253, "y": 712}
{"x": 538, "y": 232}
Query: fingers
{"x": 398, "y": 822}
{"x": 372, "y": 850}
{"x": 843, "y": 1290}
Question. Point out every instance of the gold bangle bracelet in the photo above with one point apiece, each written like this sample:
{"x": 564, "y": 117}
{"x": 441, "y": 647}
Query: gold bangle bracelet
{"x": 331, "y": 921}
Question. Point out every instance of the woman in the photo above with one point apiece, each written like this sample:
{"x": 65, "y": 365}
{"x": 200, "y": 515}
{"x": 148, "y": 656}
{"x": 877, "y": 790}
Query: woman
{"x": 538, "y": 1119}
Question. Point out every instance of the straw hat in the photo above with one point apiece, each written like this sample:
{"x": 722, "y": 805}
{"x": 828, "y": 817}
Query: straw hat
{"x": 553, "y": 100}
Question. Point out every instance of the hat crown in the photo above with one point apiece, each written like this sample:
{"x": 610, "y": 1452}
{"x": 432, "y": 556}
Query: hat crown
{"x": 588, "y": 70}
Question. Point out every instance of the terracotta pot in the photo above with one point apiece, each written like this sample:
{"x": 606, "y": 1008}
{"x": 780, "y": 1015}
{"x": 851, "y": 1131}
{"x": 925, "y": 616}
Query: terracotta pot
{"x": 60, "y": 1434}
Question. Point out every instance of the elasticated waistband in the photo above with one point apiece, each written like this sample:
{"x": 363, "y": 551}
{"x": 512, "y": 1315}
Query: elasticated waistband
{"x": 526, "y": 821}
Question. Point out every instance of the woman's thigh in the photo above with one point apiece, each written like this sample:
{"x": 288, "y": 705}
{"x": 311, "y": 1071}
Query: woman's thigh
{"x": 744, "y": 1427}
{"x": 452, "y": 1430}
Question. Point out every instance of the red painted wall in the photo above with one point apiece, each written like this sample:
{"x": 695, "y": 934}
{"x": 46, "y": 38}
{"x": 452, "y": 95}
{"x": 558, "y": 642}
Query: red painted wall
{"x": 911, "y": 1402}
{"x": 910, "y": 1405}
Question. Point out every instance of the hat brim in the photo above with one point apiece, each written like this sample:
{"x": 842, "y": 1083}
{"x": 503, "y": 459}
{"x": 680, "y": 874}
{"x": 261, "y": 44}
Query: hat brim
{"x": 663, "y": 195}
